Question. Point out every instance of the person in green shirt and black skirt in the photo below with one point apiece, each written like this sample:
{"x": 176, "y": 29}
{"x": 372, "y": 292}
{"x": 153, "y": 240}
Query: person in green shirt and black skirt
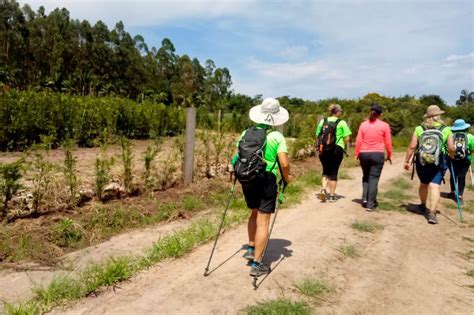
{"x": 333, "y": 138}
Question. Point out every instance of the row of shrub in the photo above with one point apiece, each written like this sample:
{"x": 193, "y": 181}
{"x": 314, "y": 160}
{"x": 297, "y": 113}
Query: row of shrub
{"x": 26, "y": 116}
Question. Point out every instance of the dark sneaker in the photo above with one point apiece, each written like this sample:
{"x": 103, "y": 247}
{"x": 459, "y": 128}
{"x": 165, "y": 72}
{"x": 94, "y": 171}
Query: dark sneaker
{"x": 432, "y": 218}
{"x": 258, "y": 270}
{"x": 249, "y": 255}
{"x": 323, "y": 195}
{"x": 332, "y": 198}
{"x": 364, "y": 202}
{"x": 422, "y": 208}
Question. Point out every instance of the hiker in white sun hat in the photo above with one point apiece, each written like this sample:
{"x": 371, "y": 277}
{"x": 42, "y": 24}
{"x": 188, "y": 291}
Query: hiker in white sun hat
{"x": 269, "y": 113}
{"x": 262, "y": 151}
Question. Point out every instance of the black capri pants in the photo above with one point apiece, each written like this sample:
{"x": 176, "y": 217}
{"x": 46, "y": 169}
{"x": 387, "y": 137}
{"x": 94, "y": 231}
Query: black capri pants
{"x": 331, "y": 162}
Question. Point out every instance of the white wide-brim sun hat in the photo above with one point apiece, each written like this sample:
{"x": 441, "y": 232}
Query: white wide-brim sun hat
{"x": 269, "y": 113}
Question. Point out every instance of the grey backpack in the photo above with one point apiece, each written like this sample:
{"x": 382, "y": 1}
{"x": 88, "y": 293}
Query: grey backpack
{"x": 430, "y": 146}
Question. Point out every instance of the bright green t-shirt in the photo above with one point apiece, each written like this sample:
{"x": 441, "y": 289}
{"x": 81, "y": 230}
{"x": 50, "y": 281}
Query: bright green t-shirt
{"x": 275, "y": 144}
{"x": 446, "y": 132}
{"x": 342, "y": 131}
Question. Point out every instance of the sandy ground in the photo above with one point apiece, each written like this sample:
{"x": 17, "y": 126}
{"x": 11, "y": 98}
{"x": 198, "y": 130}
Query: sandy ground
{"x": 408, "y": 267}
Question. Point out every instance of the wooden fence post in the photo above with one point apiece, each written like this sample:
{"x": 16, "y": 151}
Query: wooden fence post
{"x": 189, "y": 143}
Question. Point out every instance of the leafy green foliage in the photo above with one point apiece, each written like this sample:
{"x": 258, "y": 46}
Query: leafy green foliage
{"x": 10, "y": 175}
{"x": 127, "y": 162}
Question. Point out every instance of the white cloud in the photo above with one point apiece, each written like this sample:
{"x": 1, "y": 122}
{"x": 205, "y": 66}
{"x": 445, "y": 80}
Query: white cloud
{"x": 142, "y": 12}
{"x": 294, "y": 52}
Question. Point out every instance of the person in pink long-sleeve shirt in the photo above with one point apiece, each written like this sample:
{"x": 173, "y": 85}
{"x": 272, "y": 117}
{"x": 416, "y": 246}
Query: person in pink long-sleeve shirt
{"x": 373, "y": 138}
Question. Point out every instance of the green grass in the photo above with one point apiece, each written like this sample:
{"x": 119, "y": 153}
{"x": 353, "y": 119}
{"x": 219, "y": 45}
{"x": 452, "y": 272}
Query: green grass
{"x": 279, "y": 307}
{"x": 60, "y": 289}
{"x": 366, "y": 226}
{"x": 401, "y": 183}
{"x": 29, "y": 308}
{"x": 312, "y": 288}
{"x": 470, "y": 273}
{"x": 293, "y": 193}
{"x": 349, "y": 251}
{"x": 389, "y": 205}
{"x": 311, "y": 179}
{"x": 350, "y": 162}
{"x": 469, "y": 239}
{"x": 343, "y": 175}
{"x": 66, "y": 233}
{"x": 192, "y": 203}
{"x": 467, "y": 206}
{"x": 395, "y": 194}
{"x": 469, "y": 255}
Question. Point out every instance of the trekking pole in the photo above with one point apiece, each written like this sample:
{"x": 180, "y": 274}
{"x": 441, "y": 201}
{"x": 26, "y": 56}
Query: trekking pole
{"x": 470, "y": 172}
{"x": 280, "y": 201}
{"x": 231, "y": 194}
{"x": 456, "y": 191}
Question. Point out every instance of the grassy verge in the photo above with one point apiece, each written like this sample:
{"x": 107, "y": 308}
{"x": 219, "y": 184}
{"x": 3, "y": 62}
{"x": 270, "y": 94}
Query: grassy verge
{"x": 113, "y": 271}
{"x": 366, "y": 226}
{"x": 470, "y": 273}
{"x": 279, "y": 306}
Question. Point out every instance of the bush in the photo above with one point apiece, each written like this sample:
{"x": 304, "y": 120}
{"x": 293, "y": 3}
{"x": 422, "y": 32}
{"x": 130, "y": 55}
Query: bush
{"x": 25, "y": 115}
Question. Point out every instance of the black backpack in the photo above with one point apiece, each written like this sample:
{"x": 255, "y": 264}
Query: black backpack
{"x": 327, "y": 136}
{"x": 250, "y": 166}
{"x": 461, "y": 150}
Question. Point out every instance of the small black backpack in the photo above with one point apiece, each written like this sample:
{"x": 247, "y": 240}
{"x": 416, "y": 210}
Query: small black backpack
{"x": 461, "y": 150}
{"x": 327, "y": 136}
{"x": 250, "y": 166}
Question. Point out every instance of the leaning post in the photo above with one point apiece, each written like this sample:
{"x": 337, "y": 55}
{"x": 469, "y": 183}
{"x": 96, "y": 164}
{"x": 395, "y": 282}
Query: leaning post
{"x": 189, "y": 142}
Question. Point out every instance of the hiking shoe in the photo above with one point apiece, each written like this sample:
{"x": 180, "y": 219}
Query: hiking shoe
{"x": 323, "y": 195}
{"x": 332, "y": 198}
{"x": 260, "y": 269}
{"x": 432, "y": 218}
{"x": 364, "y": 202}
{"x": 249, "y": 255}
{"x": 422, "y": 208}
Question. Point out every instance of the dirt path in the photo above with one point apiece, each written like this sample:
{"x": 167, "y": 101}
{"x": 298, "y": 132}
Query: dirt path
{"x": 409, "y": 267}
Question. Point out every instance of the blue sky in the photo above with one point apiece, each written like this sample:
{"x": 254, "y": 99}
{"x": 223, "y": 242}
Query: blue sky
{"x": 309, "y": 49}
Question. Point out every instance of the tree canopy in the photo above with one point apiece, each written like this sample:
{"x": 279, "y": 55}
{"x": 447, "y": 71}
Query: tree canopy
{"x": 52, "y": 51}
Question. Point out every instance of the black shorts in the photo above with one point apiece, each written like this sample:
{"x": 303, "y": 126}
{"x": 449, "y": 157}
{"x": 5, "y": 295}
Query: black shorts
{"x": 262, "y": 195}
{"x": 331, "y": 162}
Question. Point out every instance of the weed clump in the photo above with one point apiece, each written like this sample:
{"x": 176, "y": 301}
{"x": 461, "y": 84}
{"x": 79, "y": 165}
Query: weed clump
{"x": 366, "y": 226}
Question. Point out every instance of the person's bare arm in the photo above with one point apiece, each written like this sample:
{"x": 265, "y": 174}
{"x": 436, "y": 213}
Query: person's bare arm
{"x": 410, "y": 150}
{"x": 285, "y": 166}
{"x": 348, "y": 144}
